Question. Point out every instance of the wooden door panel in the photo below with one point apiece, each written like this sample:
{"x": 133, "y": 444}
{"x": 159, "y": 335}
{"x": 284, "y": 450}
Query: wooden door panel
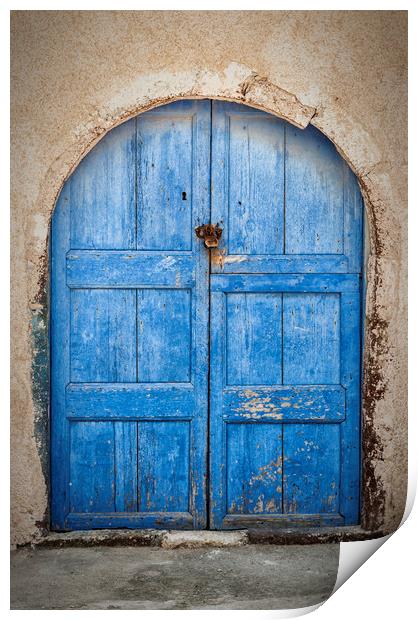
{"x": 164, "y": 335}
{"x": 284, "y": 403}
{"x": 92, "y": 467}
{"x": 166, "y": 140}
{"x": 288, "y": 203}
{"x": 124, "y": 401}
{"x": 101, "y": 193}
{"x": 311, "y": 338}
{"x": 314, "y": 194}
{"x": 164, "y": 449}
{"x": 253, "y": 333}
{"x": 255, "y": 192}
{"x": 254, "y": 469}
{"x": 311, "y": 403}
{"x": 311, "y": 469}
{"x": 134, "y": 269}
{"x": 126, "y": 474}
{"x": 102, "y": 467}
{"x": 103, "y": 335}
{"x": 285, "y": 325}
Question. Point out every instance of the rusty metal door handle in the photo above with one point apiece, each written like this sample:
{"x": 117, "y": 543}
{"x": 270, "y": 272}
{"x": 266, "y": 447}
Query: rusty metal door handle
{"x": 210, "y": 233}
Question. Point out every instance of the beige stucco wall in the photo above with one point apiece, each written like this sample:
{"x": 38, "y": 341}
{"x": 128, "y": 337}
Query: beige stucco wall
{"x": 77, "y": 74}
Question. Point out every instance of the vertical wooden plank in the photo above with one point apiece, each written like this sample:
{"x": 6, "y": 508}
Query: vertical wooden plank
{"x": 102, "y": 191}
{"x": 219, "y": 171}
{"x": 103, "y": 335}
{"x": 126, "y": 471}
{"x": 60, "y": 359}
{"x": 164, "y": 335}
{"x": 254, "y": 468}
{"x": 247, "y": 177}
{"x": 89, "y": 335}
{"x": 92, "y": 467}
{"x": 350, "y": 431}
{"x": 122, "y": 348}
{"x": 311, "y": 468}
{"x": 163, "y": 451}
{"x": 311, "y": 338}
{"x": 165, "y": 163}
{"x": 255, "y": 215}
{"x": 200, "y": 314}
{"x": 254, "y": 340}
{"x": 353, "y": 222}
{"x": 217, "y": 481}
{"x": 314, "y": 193}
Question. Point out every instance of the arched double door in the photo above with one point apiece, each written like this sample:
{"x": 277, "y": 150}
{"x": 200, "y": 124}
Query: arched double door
{"x": 196, "y": 387}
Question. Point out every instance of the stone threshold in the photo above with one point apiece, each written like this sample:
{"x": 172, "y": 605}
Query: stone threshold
{"x": 191, "y": 539}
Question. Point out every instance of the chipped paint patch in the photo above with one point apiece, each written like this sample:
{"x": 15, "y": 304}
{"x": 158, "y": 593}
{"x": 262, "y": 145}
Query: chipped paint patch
{"x": 271, "y": 472}
{"x": 257, "y": 405}
{"x": 234, "y": 259}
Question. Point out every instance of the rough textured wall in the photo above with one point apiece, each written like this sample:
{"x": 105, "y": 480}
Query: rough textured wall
{"x": 77, "y": 74}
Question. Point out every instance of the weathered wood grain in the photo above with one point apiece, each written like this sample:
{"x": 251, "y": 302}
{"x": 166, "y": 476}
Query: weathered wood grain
{"x": 311, "y": 468}
{"x": 248, "y": 147}
{"x": 130, "y": 329}
{"x": 103, "y": 335}
{"x": 314, "y": 194}
{"x": 311, "y": 338}
{"x": 91, "y": 269}
{"x": 163, "y": 466}
{"x": 129, "y": 401}
{"x": 254, "y": 468}
{"x": 102, "y": 193}
{"x": 164, "y": 336}
{"x": 253, "y": 339}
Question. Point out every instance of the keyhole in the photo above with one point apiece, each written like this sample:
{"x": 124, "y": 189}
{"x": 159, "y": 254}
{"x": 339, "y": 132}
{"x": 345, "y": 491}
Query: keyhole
{"x": 183, "y": 196}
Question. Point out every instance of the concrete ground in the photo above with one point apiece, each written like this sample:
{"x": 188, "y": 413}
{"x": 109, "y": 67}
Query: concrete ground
{"x": 242, "y": 577}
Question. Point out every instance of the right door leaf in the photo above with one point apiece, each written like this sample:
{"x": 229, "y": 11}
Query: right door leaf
{"x": 285, "y": 326}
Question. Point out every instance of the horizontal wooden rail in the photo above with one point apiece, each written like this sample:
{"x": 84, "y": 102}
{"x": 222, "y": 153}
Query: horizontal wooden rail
{"x": 286, "y": 283}
{"x": 136, "y": 520}
{"x": 124, "y": 401}
{"x": 129, "y": 269}
{"x": 290, "y": 263}
{"x": 285, "y": 404}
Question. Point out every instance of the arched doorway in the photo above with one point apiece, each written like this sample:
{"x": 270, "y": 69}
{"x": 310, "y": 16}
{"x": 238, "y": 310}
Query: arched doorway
{"x": 196, "y": 387}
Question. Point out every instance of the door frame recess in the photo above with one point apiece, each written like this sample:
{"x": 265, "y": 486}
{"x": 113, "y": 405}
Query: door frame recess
{"x": 373, "y": 490}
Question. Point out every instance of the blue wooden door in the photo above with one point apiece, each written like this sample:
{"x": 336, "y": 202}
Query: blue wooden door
{"x": 133, "y": 415}
{"x": 285, "y": 326}
{"x": 129, "y": 327}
